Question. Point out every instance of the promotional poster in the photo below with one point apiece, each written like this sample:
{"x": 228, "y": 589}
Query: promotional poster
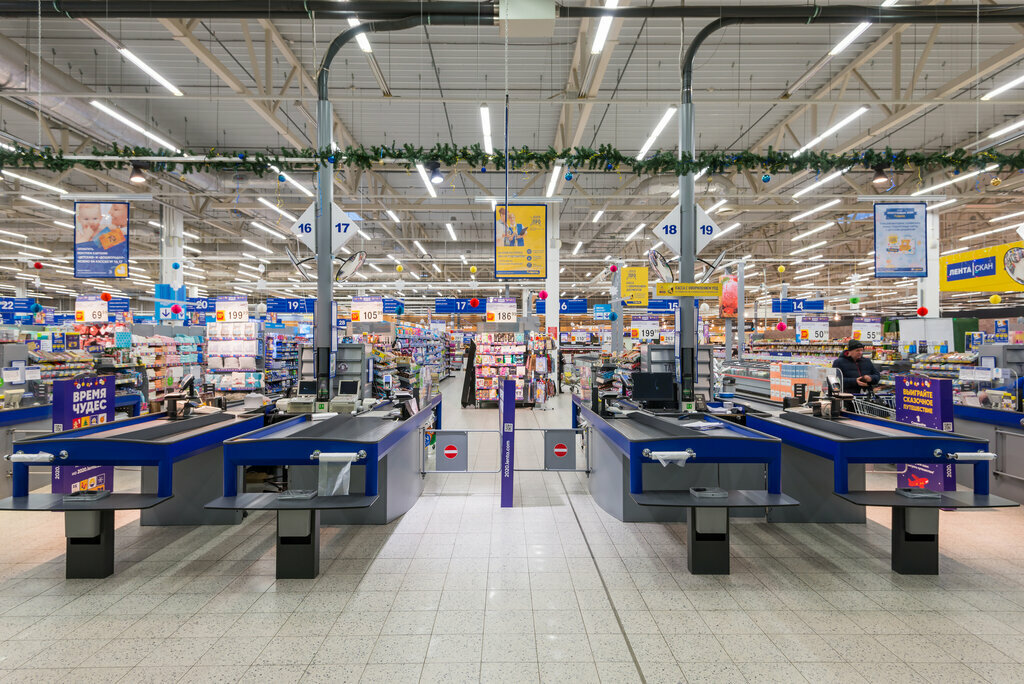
{"x": 901, "y": 240}
{"x": 634, "y": 285}
{"x": 991, "y": 269}
{"x": 924, "y": 401}
{"x": 728, "y": 302}
{"x": 79, "y": 403}
{"x": 101, "y": 239}
{"x": 520, "y": 241}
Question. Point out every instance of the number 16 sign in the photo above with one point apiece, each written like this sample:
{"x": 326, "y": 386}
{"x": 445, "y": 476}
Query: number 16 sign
{"x": 342, "y": 228}
{"x": 667, "y": 230}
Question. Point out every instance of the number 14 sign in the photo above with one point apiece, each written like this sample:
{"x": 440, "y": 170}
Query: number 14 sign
{"x": 342, "y": 228}
{"x": 667, "y": 230}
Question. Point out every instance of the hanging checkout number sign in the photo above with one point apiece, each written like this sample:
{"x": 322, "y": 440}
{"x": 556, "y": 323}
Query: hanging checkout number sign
{"x": 867, "y": 330}
{"x": 367, "y": 309}
{"x": 813, "y": 329}
{"x": 645, "y": 328}
{"x": 232, "y": 308}
{"x": 90, "y": 309}
{"x": 502, "y": 310}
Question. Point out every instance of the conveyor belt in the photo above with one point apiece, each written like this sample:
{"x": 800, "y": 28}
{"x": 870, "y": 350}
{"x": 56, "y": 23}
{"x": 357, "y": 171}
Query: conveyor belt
{"x": 331, "y": 427}
{"x": 172, "y": 427}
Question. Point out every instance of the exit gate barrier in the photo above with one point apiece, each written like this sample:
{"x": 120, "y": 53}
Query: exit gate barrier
{"x": 451, "y": 451}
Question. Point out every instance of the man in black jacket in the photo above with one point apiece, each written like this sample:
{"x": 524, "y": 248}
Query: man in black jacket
{"x": 858, "y": 373}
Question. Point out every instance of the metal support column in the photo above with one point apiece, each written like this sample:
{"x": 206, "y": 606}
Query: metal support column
{"x": 172, "y": 246}
{"x": 741, "y": 303}
{"x": 687, "y": 242}
{"x": 323, "y": 329}
{"x": 617, "y": 329}
{"x": 928, "y": 287}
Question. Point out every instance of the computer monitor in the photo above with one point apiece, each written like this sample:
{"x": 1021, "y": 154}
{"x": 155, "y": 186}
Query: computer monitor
{"x": 654, "y": 387}
{"x": 307, "y": 387}
{"x": 348, "y": 386}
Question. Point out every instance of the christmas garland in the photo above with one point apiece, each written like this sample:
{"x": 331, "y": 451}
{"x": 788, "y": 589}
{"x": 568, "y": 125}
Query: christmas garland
{"x": 605, "y": 158}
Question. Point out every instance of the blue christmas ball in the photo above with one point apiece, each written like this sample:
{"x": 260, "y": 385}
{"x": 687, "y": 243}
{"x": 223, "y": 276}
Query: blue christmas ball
{"x": 609, "y": 167}
{"x": 956, "y": 172}
{"x": 613, "y": 316}
{"x": 765, "y": 178}
{"x": 483, "y": 169}
{"x": 36, "y": 308}
{"x": 568, "y": 175}
{"x": 280, "y": 179}
{"x": 400, "y": 309}
{"x": 175, "y": 265}
{"x": 330, "y": 160}
{"x": 241, "y": 155}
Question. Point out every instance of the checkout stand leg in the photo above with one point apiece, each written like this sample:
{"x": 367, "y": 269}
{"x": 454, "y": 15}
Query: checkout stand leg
{"x": 90, "y": 544}
{"x": 707, "y": 544}
{"x": 298, "y": 544}
{"x": 915, "y": 540}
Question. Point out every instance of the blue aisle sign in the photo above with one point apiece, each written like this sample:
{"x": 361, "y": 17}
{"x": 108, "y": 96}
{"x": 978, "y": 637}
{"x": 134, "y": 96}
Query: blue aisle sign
{"x": 900, "y": 234}
{"x": 393, "y": 306}
{"x": 77, "y": 404}
{"x": 204, "y": 305}
{"x": 797, "y": 305}
{"x": 507, "y": 416}
{"x": 603, "y": 312}
{"x": 566, "y": 306}
{"x": 454, "y": 305}
{"x": 15, "y": 306}
{"x": 167, "y": 296}
{"x": 664, "y": 305}
{"x": 291, "y": 306}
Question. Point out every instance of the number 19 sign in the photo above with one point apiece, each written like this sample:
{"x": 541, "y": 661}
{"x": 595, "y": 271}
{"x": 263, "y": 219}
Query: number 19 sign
{"x": 342, "y": 227}
{"x": 667, "y": 230}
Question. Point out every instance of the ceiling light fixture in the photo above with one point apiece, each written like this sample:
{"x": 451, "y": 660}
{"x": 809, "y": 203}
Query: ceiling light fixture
{"x": 946, "y": 203}
{"x": 715, "y": 206}
{"x": 1007, "y": 216}
{"x": 956, "y": 179}
{"x": 270, "y": 205}
{"x": 134, "y": 126}
{"x": 451, "y": 231}
{"x": 260, "y": 226}
{"x": 809, "y": 248}
{"x": 420, "y": 169}
{"x": 33, "y": 181}
{"x": 665, "y": 118}
{"x": 375, "y": 267}
{"x": 811, "y": 212}
{"x": 394, "y": 216}
{"x": 48, "y": 205}
{"x": 827, "y": 179}
{"x": 832, "y": 130}
{"x": 726, "y": 230}
{"x": 485, "y": 127}
{"x": 419, "y": 246}
{"x": 996, "y": 92}
{"x": 603, "y": 26}
{"x": 880, "y": 177}
{"x": 260, "y": 247}
{"x": 288, "y": 179}
{"x": 137, "y": 176}
{"x": 597, "y": 216}
{"x": 849, "y": 38}
{"x": 811, "y": 232}
{"x": 556, "y": 171}
{"x": 634, "y": 233}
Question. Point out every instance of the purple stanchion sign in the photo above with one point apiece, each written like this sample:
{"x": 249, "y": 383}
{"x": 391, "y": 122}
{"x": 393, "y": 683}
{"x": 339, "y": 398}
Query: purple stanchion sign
{"x": 77, "y": 404}
{"x": 507, "y": 414}
{"x": 927, "y": 402}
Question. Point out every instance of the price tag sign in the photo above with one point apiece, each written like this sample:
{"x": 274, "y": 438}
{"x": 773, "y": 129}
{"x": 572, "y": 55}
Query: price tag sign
{"x": 813, "y": 329}
{"x": 90, "y": 309}
{"x": 367, "y": 309}
{"x": 645, "y": 328}
{"x": 867, "y": 330}
{"x": 502, "y": 310}
{"x": 232, "y": 308}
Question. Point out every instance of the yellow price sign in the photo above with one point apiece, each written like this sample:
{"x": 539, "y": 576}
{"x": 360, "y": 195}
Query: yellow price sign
{"x": 689, "y": 289}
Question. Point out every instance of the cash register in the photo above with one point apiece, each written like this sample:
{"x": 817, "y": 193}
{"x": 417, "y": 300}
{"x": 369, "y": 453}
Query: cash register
{"x": 347, "y": 398}
{"x": 303, "y": 402}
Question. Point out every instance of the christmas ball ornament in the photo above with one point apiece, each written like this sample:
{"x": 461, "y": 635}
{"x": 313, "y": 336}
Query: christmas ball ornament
{"x": 37, "y": 265}
{"x": 613, "y": 316}
{"x": 613, "y": 268}
{"x": 483, "y": 169}
{"x": 608, "y": 167}
{"x": 36, "y": 308}
{"x": 262, "y": 268}
{"x": 922, "y": 311}
{"x": 568, "y": 175}
{"x": 995, "y": 299}
{"x": 781, "y": 326}
{"x": 175, "y": 265}
{"x": 995, "y": 182}
{"x": 175, "y": 308}
{"x": 474, "y": 302}
{"x": 543, "y": 294}
{"x": 241, "y": 156}
{"x": 705, "y": 307}
{"x": 330, "y": 160}
{"x": 400, "y": 309}
{"x": 781, "y": 269}
{"x": 854, "y": 300}
{"x": 399, "y": 268}
{"x": 472, "y": 269}
{"x": 105, "y": 296}
{"x": 766, "y": 178}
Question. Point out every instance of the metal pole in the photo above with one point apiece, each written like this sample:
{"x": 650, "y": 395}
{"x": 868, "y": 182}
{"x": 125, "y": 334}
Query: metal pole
{"x": 687, "y": 243}
{"x": 741, "y": 304}
{"x": 324, "y": 326}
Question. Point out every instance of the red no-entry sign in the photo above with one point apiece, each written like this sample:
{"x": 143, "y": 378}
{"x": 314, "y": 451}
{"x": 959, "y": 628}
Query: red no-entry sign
{"x": 561, "y": 450}
{"x": 451, "y": 451}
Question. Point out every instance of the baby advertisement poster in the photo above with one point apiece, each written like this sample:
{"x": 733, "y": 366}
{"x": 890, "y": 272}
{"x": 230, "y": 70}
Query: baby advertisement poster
{"x": 900, "y": 240}
{"x": 101, "y": 239}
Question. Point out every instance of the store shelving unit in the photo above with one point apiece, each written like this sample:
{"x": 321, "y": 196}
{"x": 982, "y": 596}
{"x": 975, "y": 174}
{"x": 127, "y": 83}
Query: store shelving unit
{"x": 235, "y": 356}
{"x": 500, "y": 356}
{"x": 351, "y": 364}
{"x": 282, "y": 363}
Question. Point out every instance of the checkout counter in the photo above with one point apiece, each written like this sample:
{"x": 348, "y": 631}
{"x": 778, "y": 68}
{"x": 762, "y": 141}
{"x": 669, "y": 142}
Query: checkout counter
{"x": 343, "y": 469}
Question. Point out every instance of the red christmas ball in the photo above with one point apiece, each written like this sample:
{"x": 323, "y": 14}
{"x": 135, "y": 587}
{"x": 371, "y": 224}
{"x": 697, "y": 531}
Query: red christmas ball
{"x": 781, "y": 326}
{"x": 474, "y": 302}
{"x": 105, "y": 296}
{"x": 922, "y": 311}
{"x": 613, "y": 268}
{"x": 37, "y": 265}
{"x": 542, "y": 295}
{"x": 175, "y": 309}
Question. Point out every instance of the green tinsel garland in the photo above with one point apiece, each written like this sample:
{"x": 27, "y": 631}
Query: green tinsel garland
{"x": 605, "y": 158}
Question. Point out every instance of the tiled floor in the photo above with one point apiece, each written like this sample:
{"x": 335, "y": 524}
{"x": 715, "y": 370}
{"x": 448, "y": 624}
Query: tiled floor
{"x": 553, "y": 589}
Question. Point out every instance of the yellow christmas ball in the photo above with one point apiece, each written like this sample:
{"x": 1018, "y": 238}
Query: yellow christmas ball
{"x": 782, "y": 269}
{"x": 399, "y": 268}
{"x": 995, "y": 299}
{"x": 472, "y": 269}
{"x": 996, "y": 182}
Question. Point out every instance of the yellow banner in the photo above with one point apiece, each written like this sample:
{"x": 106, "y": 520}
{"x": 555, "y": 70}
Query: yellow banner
{"x": 520, "y": 241}
{"x": 688, "y": 289}
{"x": 991, "y": 269}
{"x": 634, "y": 285}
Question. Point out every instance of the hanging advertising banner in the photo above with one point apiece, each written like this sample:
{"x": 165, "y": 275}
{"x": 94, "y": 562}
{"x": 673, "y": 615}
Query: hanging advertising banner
{"x": 667, "y": 230}
{"x": 711, "y": 290}
{"x": 867, "y": 330}
{"x": 394, "y": 307}
{"x": 602, "y": 312}
{"x": 290, "y": 306}
{"x": 232, "y": 308}
{"x": 367, "y": 309}
{"x": 520, "y": 241}
{"x": 565, "y": 306}
{"x": 797, "y": 305}
{"x": 454, "y": 305}
{"x": 644, "y": 328}
{"x": 901, "y": 232}
{"x": 90, "y": 309}
{"x": 728, "y": 302}
{"x": 634, "y": 285}
{"x": 812, "y": 329}
{"x": 502, "y": 310}
{"x": 991, "y": 269}
{"x": 924, "y": 401}
{"x": 11, "y": 307}
{"x": 342, "y": 228}
{"x": 77, "y": 404}
{"x": 101, "y": 239}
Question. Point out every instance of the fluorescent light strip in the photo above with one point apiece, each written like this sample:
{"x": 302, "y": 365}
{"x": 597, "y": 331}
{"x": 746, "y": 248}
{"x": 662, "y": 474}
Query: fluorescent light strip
{"x": 362, "y": 234}
{"x": 953, "y": 251}
{"x": 849, "y": 38}
{"x": 995, "y": 92}
{"x": 47, "y": 205}
{"x": 375, "y": 267}
{"x": 956, "y": 179}
{"x": 436, "y": 268}
{"x": 665, "y": 118}
{"x": 715, "y": 206}
{"x": 393, "y": 215}
{"x": 260, "y": 247}
{"x": 17, "y": 235}
{"x": 1007, "y": 216}
{"x": 131, "y": 57}
{"x": 264, "y": 261}
{"x": 811, "y": 268}
{"x": 809, "y": 248}
{"x": 292, "y": 181}
{"x": 260, "y": 226}
{"x": 634, "y": 233}
{"x": 134, "y": 126}
{"x": 811, "y": 232}
{"x": 944, "y": 203}
{"x": 253, "y": 268}
{"x": 810, "y": 212}
{"x": 270, "y": 205}
{"x": 603, "y": 26}
{"x": 190, "y": 236}
{"x": 361, "y": 39}
{"x": 33, "y": 181}
{"x": 806, "y": 275}
{"x": 426, "y": 179}
{"x": 485, "y": 127}
{"x": 990, "y": 232}
{"x": 419, "y": 246}
{"x": 555, "y": 173}
{"x": 24, "y": 246}
{"x": 833, "y": 129}
{"x": 726, "y": 230}
{"x": 597, "y": 216}
{"x": 827, "y": 179}
{"x": 576, "y": 249}
{"x": 64, "y": 224}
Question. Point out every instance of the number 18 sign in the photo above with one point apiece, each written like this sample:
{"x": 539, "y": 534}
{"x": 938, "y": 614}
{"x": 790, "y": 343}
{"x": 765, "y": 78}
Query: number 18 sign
{"x": 502, "y": 310}
{"x": 667, "y": 230}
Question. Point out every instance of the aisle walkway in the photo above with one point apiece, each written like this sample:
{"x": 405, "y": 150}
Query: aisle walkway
{"x": 553, "y": 589}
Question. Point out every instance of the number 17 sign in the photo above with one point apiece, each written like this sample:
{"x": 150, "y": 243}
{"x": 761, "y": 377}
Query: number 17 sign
{"x": 667, "y": 230}
{"x": 342, "y": 228}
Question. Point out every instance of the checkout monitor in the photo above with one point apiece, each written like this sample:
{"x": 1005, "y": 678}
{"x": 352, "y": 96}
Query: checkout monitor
{"x": 654, "y": 390}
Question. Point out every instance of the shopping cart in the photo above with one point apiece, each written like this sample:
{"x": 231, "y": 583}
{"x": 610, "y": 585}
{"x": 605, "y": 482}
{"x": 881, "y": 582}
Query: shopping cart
{"x": 871, "y": 404}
